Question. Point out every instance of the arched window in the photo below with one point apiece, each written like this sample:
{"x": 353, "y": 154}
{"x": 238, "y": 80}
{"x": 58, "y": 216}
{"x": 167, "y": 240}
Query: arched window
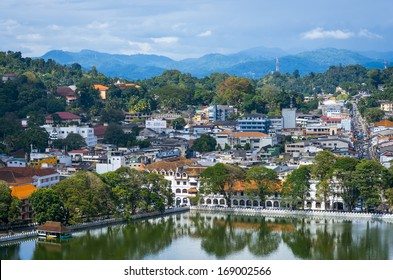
{"x": 202, "y": 201}
{"x": 178, "y": 190}
{"x": 276, "y": 204}
{"x": 308, "y": 204}
{"x": 222, "y": 201}
{"x": 215, "y": 201}
{"x": 262, "y": 204}
{"x": 308, "y": 195}
{"x": 269, "y": 204}
{"x": 255, "y": 203}
{"x": 318, "y": 205}
{"x": 208, "y": 201}
{"x": 248, "y": 203}
{"x": 185, "y": 200}
{"x": 184, "y": 191}
{"x": 235, "y": 202}
{"x": 242, "y": 203}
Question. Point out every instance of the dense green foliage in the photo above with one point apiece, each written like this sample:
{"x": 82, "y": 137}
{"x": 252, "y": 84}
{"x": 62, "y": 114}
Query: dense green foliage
{"x": 9, "y": 205}
{"x": 33, "y": 94}
{"x": 205, "y": 143}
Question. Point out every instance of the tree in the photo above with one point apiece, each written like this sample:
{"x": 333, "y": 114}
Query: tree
{"x": 374, "y": 114}
{"x": 221, "y": 178}
{"x": 157, "y": 192}
{"x": 179, "y": 123}
{"x": 370, "y": 178}
{"x": 114, "y": 134}
{"x": 266, "y": 180}
{"x": 233, "y": 90}
{"x": 344, "y": 168}
{"x": 322, "y": 170}
{"x": 74, "y": 141}
{"x": 296, "y": 186}
{"x": 205, "y": 143}
{"x": 85, "y": 196}
{"x": 126, "y": 185}
{"x": 9, "y": 206}
{"x": 47, "y": 206}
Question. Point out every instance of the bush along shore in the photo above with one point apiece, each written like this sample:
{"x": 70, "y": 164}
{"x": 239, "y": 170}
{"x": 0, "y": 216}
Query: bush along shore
{"x": 104, "y": 222}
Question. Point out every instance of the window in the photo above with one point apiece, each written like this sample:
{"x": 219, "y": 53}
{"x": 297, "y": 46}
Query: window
{"x": 184, "y": 191}
{"x": 177, "y": 182}
{"x": 184, "y": 183}
{"x": 178, "y": 190}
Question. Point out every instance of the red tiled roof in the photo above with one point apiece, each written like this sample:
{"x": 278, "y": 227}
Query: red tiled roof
{"x": 64, "y": 116}
{"x": 100, "y": 130}
{"x": 65, "y": 91}
{"x": 22, "y": 175}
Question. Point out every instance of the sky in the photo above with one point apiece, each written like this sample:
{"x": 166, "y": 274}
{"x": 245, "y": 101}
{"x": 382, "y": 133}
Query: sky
{"x": 192, "y": 28}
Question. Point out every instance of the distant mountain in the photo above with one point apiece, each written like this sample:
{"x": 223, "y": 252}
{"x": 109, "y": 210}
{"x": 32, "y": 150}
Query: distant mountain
{"x": 254, "y": 63}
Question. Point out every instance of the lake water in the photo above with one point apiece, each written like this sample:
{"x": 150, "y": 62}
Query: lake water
{"x": 202, "y": 235}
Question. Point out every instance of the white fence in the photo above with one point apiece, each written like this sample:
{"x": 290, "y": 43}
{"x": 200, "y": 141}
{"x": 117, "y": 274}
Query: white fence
{"x": 297, "y": 213}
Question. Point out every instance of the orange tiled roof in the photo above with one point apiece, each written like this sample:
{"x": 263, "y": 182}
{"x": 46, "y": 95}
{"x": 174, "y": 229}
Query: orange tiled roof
{"x": 250, "y": 134}
{"x": 23, "y": 191}
{"x": 168, "y": 165}
{"x": 385, "y": 123}
{"x": 133, "y": 85}
{"x": 225, "y": 132}
{"x": 252, "y": 185}
{"x": 100, "y": 87}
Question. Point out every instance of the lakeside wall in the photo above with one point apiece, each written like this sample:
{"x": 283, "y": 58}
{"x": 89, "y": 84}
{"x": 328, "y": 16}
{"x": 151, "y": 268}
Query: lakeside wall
{"x": 99, "y": 223}
{"x": 296, "y": 213}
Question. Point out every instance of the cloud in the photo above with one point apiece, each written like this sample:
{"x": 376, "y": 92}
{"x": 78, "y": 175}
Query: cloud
{"x": 368, "y": 34}
{"x": 207, "y": 33}
{"x": 320, "y": 33}
{"x": 165, "y": 40}
{"x": 29, "y": 37}
{"x": 98, "y": 25}
{"x": 142, "y": 47}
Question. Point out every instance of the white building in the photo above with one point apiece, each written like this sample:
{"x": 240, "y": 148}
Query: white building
{"x": 289, "y": 117}
{"x": 114, "y": 162}
{"x": 63, "y": 131}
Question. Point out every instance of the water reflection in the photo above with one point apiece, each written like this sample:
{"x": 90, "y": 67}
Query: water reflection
{"x": 222, "y": 237}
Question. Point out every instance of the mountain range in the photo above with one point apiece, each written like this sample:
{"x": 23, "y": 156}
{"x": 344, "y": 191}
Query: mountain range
{"x": 251, "y": 63}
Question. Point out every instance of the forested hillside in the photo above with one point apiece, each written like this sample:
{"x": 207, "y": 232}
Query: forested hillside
{"x": 33, "y": 92}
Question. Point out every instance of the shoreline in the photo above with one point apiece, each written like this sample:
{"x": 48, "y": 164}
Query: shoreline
{"x": 297, "y": 213}
{"x": 26, "y": 235}
{"x": 20, "y": 236}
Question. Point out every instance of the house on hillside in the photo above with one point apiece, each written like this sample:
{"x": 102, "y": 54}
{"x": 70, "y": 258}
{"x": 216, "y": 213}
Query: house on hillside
{"x": 23, "y": 192}
{"x": 64, "y": 118}
{"x": 40, "y": 178}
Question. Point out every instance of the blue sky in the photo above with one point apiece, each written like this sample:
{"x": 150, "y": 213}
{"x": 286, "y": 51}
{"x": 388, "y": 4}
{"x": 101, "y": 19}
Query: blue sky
{"x": 191, "y": 28}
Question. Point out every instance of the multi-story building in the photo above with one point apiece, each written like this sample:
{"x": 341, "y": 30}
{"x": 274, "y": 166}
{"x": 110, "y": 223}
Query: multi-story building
{"x": 289, "y": 117}
{"x": 41, "y": 178}
{"x": 254, "y": 123}
{"x": 219, "y": 112}
{"x": 256, "y": 140}
{"x": 184, "y": 176}
{"x": 23, "y": 193}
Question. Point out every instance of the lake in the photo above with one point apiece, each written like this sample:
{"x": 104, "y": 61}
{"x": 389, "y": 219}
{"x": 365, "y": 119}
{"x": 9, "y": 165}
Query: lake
{"x": 204, "y": 235}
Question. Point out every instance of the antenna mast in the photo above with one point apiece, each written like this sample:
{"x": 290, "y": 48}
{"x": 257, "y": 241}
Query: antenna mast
{"x": 277, "y": 68}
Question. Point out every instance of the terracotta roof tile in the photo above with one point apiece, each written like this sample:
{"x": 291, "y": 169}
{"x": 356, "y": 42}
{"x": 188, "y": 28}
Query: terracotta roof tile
{"x": 100, "y": 87}
{"x": 23, "y": 191}
{"x": 385, "y": 123}
{"x": 169, "y": 165}
{"x": 250, "y": 134}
